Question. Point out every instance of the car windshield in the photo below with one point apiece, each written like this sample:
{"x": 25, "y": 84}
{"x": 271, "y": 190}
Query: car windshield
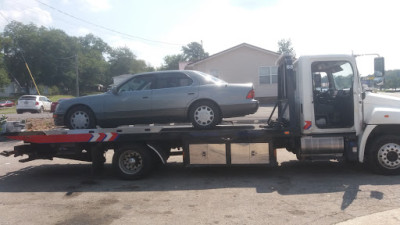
{"x": 211, "y": 78}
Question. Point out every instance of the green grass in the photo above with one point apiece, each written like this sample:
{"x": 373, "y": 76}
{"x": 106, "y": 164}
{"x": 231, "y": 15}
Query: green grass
{"x": 55, "y": 98}
{"x": 8, "y": 110}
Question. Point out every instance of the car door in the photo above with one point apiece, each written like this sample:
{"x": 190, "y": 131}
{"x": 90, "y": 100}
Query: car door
{"x": 131, "y": 102}
{"x": 172, "y": 94}
{"x": 46, "y": 103}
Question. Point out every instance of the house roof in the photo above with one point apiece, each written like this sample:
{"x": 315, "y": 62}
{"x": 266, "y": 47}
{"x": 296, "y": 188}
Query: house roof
{"x": 232, "y": 49}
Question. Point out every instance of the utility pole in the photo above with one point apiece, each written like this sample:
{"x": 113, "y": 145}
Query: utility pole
{"x": 77, "y": 75}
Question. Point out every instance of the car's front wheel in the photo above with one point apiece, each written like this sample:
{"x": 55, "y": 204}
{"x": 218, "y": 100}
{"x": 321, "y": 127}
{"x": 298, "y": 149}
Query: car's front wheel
{"x": 204, "y": 115}
{"x": 80, "y": 117}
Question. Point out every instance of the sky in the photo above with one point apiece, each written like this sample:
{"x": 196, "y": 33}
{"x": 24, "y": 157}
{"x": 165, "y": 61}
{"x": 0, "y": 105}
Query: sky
{"x": 153, "y": 29}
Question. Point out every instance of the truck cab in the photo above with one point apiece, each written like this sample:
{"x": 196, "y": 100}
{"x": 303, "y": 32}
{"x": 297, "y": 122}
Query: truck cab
{"x": 332, "y": 117}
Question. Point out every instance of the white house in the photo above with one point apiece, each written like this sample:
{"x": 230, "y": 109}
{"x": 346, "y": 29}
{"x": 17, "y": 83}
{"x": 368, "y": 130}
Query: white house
{"x": 242, "y": 64}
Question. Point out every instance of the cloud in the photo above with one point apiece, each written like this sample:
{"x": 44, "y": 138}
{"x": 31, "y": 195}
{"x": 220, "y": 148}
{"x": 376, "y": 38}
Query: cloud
{"x": 83, "y": 31}
{"x": 24, "y": 12}
{"x": 252, "y": 4}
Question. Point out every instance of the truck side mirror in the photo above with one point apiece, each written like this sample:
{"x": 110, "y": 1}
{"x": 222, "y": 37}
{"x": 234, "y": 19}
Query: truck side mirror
{"x": 379, "y": 67}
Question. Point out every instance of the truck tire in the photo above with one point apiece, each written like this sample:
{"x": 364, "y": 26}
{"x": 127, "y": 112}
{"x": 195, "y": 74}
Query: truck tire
{"x": 80, "y": 117}
{"x": 383, "y": 155}
{"x": 133, "y": 162}
{"x": 204, "y": 115}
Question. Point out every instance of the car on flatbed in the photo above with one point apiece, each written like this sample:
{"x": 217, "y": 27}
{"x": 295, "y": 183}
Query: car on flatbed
{"x": 33, "y": 104}
{"x": 160, "y": 97}
{"x": 54, "y": 104}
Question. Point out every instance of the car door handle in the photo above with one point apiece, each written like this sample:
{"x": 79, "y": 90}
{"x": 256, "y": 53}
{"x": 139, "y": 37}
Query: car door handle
{"x": 145, "y": 97}
{"x": 191, "y": 93}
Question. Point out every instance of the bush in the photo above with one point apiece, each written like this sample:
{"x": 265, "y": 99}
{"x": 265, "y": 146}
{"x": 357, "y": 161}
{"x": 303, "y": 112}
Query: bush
{"x": 54, "y": 90}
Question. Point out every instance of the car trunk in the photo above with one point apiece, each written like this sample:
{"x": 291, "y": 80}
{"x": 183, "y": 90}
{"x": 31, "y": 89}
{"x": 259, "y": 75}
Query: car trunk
{"x": 28, "y": 101}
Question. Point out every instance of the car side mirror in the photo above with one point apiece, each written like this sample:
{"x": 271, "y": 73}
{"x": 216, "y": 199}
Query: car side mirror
{"x": 379, "y": 67}
{"x": 114, "y": 90}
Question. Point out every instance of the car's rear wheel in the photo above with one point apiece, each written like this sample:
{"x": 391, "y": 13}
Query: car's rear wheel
{"x": 80, "y": 117}
{"x": 41, "y": 110}
{"x": 204, "y": 114}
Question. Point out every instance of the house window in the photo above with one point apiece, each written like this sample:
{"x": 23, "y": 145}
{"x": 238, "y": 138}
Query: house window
{"x": 268, "y": 74}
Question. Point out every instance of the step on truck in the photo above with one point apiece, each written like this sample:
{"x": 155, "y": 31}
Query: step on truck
{"x": 321, "y": 113}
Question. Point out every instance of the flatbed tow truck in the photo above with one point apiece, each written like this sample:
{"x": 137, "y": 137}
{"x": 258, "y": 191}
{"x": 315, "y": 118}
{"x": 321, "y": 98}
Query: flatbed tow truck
{"x": 321, "y": 113}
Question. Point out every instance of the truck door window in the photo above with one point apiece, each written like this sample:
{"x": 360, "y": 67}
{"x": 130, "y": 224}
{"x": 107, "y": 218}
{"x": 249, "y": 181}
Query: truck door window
{"x": 332, "y": 94}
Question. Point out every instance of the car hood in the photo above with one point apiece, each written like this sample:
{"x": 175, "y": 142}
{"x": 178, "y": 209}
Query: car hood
{"x": 89, "y": 100}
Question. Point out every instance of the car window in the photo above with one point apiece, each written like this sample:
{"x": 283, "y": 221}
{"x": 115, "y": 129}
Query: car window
{"x": 210, "y": 79}
{"x": 27, "y": 98}
{"x": 137, "y": 83}
{"x": 171, "y": 80}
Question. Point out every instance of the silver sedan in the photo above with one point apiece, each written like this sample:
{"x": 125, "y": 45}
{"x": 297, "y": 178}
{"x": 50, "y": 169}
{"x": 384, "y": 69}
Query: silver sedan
{"x": 160, "y": 97}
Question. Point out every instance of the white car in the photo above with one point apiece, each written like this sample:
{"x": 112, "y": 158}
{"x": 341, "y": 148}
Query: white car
{"x": 33, "y": 104}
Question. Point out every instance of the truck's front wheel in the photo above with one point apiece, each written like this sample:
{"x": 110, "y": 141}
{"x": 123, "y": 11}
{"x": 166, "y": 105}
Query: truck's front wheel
{"x": 384, "y": 155}
{"x": 133, "y": 161}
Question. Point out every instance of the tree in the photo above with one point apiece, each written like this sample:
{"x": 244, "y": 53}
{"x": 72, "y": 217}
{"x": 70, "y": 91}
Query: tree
{"x": 21, "y": 39}
{"x": 171, "y": 62}
{"x": 140, "y": 66}
{"x": 51, "y": 55}
{"x": 285, "y": 46}
{"x": 48, "y": 52}
{"x": 4, "y": 79}
{"x": 392, "y": 79}
{"x": 194, "y": 52}
{"x": 93, "y": 66}
{"x": 121, "y": 61}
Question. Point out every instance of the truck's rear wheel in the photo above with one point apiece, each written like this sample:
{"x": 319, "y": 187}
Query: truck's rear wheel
{"x": 384, "y": 155}
{"x": 133, "y": 161}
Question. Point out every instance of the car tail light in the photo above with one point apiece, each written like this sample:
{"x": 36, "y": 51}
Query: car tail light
{"x": 37, "y": 103}
{"x": 251, "y": 94}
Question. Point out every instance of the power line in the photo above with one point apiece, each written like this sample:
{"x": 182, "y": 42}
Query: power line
{"x": 105, "y": 28}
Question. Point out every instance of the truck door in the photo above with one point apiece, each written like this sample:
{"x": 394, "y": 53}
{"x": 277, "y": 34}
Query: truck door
{"x": 332, "y": 83}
